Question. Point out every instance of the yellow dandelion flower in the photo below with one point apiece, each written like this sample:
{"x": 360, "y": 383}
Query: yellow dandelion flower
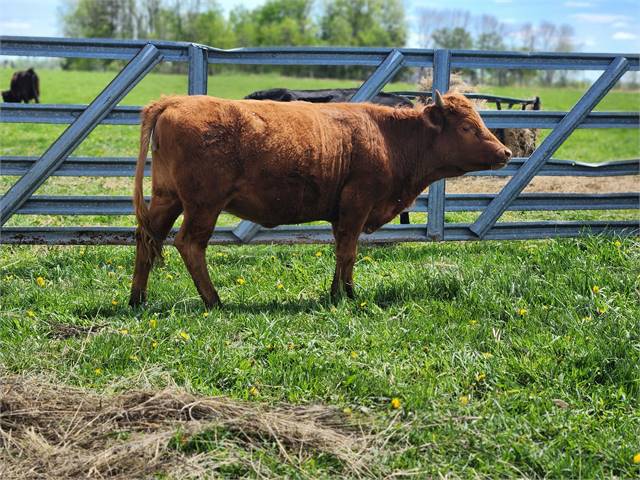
{"x": 133, "y": 358}
{"x": 184, "y": 335}
{"x": 522, "y": 312}
{"x": 464, "y": 400}
{"x": 363, "y": 305}
{"x": 240, "y": 281}
{"x": 168, "y": 276}
{"x": 347, "y": 411}
{"x": 601, "y": 310}
{"x": 154, "y": 344}
{"x": 617, "y": 243}
{"x": 587, "y": 318}
{"x": 636, "y": 458}
{"x": 291, "y": 345}
{"x": 279, "y": 286}
{"x": 205, "y": 314}
{"x": 595, "y": 289}
{"x": 153, "y": 323}
{"x": 396, "y": 403}
{"x": 487, "y": 355}
{"x": 114, "y": 302}
{"x": 473, "y": 322}
{"x": 120, "y": 267}
{"x": 41, "y": 282}
{"x": 354, "y": 354}
{"x": 367, "y": 258}
{"x": 124, "y": 331}
{"x": 98, "y": 371}
{"x": 480, "y": 376}
{"x": 253, "y": 391}
{"x": 30, "y": 313}
{"x": 318, "y": 253}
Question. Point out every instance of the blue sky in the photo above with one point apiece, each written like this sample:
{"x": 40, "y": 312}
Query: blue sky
{"x": 600, "y": 25}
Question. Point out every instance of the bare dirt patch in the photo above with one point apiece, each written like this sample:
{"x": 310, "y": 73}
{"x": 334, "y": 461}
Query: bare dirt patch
{"x": 629, "y": 183}
{"x": 53, "y": 431}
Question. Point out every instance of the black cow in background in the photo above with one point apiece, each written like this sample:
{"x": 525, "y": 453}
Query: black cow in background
{"x": 24, "y": 87}
{"x": 331, "y": 96}
{"x": 326, "y": 96}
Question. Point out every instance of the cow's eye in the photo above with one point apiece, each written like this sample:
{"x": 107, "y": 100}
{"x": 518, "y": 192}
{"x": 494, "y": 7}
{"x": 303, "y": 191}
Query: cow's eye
{"x": 466, "y": 128}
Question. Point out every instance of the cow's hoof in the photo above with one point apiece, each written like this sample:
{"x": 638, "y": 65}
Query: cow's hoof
{"x": 137, "y": 298}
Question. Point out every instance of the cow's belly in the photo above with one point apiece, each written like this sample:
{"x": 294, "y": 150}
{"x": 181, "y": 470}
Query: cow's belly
{"x": 283, "y": 203}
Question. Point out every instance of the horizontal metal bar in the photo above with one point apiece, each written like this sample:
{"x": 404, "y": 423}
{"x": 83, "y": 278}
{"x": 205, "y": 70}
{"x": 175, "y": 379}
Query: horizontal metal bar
{"x": 560, "y": 168}
{"x": 130, "y": 115}
{"x": 178, "y": 52}
{"x": 320, "y": 234}
{"x": 125, "y": 167}
{"x": 63, "y": 114}
{"x": 98, "y": 48}
{"x": 548, "y": 119}
{"x": 456, "y": 202}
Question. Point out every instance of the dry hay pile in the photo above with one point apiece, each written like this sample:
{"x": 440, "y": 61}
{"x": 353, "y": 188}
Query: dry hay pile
{"x": 53, "y": 431}
{"x": 521, "y": 141}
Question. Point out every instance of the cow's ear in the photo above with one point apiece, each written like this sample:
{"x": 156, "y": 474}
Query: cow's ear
{"x": 434, "y": 118}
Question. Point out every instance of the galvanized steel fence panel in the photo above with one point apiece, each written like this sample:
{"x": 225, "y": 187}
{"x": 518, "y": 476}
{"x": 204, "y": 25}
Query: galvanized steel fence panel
{"x": 143, "y": 55}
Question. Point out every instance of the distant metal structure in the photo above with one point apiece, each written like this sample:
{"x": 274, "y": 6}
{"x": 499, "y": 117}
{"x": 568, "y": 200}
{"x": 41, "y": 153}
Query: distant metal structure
{"x": 142, "y": 56}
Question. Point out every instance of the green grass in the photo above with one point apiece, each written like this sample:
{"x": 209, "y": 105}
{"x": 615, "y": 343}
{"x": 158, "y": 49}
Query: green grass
{"x": 481, "y": 341}
{"x": 511, "y": 326}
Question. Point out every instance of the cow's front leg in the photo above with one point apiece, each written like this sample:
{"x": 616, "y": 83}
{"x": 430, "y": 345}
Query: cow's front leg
{"x": 346, "y": 231}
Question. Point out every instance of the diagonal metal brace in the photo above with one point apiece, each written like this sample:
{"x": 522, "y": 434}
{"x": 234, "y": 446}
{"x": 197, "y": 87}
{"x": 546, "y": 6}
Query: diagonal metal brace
{"x": 246, "y": 230}
{"x": 548, "y": 147}
{"x": 66, "y": 143}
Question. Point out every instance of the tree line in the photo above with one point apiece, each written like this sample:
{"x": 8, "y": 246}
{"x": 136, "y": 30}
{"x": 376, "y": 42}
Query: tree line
{"x": 357, "y": 23}
{"x": 275, "y": 23}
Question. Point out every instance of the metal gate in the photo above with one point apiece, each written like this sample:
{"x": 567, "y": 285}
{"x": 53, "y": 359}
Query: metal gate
{"x": 142, "y": 56}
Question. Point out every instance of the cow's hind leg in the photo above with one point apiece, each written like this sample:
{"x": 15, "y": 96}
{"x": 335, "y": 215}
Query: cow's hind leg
{"x": 346, "y": 231}
{"x": 163, "y": 211}
{"x": 191, "y": 241}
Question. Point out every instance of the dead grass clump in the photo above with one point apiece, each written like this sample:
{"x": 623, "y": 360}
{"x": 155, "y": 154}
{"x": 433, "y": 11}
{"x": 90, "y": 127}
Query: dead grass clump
{"x": 53, "y": 431}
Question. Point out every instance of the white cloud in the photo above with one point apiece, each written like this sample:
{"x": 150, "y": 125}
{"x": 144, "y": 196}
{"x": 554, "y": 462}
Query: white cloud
{"x": 620, "y": 24}
{"x": 598, "y": 17}
{"x": 13, "y": 25}
{"x": 624, "y": 36}
{"x": 578, "y": 4}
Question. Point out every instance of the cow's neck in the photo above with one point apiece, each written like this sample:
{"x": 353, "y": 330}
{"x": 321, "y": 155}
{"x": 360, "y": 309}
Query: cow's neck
{"x": 416, "y": 161}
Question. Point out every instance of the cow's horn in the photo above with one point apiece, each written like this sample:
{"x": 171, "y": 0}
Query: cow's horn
{"x": 438, "y": 99}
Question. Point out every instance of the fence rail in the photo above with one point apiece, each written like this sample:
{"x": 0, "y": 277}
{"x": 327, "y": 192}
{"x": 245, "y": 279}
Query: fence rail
{"x": 143, "y": 55}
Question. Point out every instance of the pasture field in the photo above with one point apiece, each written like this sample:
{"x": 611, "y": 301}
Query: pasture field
{"x": 468, "y": 360}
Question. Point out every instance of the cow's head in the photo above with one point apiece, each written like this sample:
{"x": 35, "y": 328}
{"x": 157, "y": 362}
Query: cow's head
{"x": 463, "y": 141}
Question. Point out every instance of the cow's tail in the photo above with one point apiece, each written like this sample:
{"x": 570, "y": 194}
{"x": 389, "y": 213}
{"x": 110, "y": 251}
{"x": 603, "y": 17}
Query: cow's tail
{"x": 150, "y": 245}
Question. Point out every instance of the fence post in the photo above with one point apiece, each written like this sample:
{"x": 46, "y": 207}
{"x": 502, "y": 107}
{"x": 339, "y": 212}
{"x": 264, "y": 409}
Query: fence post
{"x": 567, "y": 125}
{"x": 128, "y": 78}
{"x": 198, "y": 69}
{"x": 435, "y": 213}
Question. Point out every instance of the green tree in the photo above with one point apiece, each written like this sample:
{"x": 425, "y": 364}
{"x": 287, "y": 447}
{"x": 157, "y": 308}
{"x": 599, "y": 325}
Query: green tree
{"x": 364, "y": 23}
{"x": 458, "y": 38}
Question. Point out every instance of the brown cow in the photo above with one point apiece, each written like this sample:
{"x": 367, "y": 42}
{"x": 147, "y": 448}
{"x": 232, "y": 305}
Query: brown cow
{"x": 354, "y": 165}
